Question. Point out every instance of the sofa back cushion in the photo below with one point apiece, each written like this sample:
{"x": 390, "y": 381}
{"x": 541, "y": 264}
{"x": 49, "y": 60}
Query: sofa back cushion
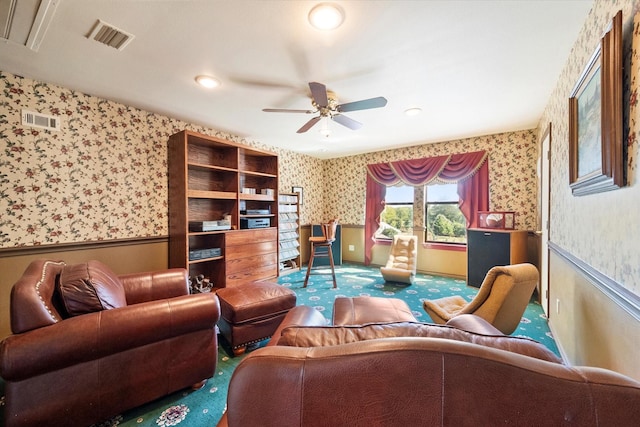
{"x": 319, "y": 336}
{"x": 89, "y": 287}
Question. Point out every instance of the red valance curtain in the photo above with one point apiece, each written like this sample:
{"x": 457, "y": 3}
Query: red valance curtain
{"x": 469, "y": 170}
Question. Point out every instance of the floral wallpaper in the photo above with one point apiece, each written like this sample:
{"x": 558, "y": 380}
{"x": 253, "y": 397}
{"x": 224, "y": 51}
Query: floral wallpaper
{"x": 307, "y": 172}
{"x": 600, "y": 229}
{"x": 104, "y": 174}
{"x": 512, "y": 175}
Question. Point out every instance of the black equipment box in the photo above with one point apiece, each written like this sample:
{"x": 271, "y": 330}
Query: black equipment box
{"x": 258, "y": 211}
{"x": 255, "y": 223}
{"x": 197, "y": 254}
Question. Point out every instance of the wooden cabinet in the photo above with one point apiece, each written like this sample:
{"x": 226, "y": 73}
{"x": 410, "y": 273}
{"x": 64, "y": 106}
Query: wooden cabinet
{"x": 217, "y": 188}
{"x": 487, "y": 248}
{"x": 251, "y": 255}
{"x": 289, "y": 232}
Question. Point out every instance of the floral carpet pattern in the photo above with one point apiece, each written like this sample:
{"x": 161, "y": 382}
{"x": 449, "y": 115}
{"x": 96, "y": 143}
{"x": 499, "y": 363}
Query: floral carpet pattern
{"x": 204, "y": 407}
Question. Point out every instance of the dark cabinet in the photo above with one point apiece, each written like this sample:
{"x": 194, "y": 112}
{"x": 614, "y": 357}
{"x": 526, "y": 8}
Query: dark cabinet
{"x": 488, "y": 248}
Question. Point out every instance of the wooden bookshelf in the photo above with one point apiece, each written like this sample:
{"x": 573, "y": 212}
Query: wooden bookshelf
{"x": 211, "y": 179}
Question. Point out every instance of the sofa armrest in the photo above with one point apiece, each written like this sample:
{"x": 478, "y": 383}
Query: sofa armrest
{"x": 95, "y": 335}
{"x": 155, "y": 285}
{"x": 301, "y": 315}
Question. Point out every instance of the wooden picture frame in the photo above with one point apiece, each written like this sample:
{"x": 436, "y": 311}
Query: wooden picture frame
{"x": 595, "y": 119}
{"x": 298, "y": 190}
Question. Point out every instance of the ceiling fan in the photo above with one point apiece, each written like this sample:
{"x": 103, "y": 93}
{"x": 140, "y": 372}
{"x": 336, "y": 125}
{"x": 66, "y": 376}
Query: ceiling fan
{"x": 326, "y": 103}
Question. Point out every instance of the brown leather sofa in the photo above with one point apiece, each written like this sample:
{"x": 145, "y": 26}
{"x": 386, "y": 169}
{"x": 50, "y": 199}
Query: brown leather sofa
{"x": 410, "y": 374}
{"x": 130, "y": 340}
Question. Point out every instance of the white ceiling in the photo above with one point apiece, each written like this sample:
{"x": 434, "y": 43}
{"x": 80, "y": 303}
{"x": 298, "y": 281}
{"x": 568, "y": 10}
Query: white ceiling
{"x": 473, "y": 67}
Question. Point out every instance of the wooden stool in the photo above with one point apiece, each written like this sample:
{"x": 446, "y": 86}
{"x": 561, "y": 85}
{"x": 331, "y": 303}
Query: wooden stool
{"x": 324, "y": 241}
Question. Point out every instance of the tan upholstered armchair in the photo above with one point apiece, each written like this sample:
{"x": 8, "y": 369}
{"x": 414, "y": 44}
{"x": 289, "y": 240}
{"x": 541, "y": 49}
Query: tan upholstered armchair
{"x": 88, "y": 344}
{"x": 401, "y": 265}
{"x": 501, "y": 299}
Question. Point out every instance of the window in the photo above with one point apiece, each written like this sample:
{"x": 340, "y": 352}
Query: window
{"x": 397, "y": 216}
{"x": 445, "y": 222}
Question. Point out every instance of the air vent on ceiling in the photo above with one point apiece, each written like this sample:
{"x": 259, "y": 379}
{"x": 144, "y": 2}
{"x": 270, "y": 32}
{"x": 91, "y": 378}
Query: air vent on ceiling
{"x": 26, "y": 22}
{"x": 38, "y": 120}
{"x": 110, "y": 35}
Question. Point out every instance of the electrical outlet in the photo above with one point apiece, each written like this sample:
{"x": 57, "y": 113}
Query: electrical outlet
{"x": 113, "y": 220}
{"x": 352, "y": 248}
{"x": 557, "y": 306}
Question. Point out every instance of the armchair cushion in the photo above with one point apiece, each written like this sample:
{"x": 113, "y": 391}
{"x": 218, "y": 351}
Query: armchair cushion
{"x": 447, "y": 307}
{"x": 90, "y": 287}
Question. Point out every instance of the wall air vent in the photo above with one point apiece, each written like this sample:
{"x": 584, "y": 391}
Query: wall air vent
{"x": 38, "y": 120}
{"x": 109, "y": 35}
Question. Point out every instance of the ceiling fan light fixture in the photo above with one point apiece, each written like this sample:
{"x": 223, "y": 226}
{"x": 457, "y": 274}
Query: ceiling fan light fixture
{"x": 326, "y": 16}
{"x": 208, "y": 81}
{"x": 413, "y": 111}
{"x": 328, "y": 110}
{"x": 325, "y": 131}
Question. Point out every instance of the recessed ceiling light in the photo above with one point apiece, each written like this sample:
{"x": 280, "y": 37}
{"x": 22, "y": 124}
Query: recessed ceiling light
{"x": 413, "y": 111}
{"x": 326, "y": 16}
{"x": 208, "y": 81}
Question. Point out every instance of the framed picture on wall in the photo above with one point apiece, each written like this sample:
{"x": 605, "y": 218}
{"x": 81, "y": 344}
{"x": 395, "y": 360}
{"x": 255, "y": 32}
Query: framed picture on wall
{"x": 595, "y": 119}
{"x": 299, "y": 191}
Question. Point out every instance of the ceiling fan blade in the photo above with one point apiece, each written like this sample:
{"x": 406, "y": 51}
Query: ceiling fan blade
{"x": 365, "y": 104}
{"x": 319, "y": 92}
{"x": 267, "y": 84}
{"x": 346, "y": 121}
{"x": 284, "y": 110}
{"x": 308, "y": 125}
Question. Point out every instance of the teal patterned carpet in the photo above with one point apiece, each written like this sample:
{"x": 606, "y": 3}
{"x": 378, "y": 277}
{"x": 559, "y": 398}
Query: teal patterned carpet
{"x": 205, "y": 406}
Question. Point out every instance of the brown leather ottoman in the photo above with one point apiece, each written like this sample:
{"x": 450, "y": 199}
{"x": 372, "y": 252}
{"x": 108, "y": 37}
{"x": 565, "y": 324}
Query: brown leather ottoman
{"x": 362, "y": 310}
{"x": 251, "y": 312}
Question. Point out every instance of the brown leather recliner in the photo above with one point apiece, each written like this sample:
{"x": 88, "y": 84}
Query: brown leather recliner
{"x": 409, "y": 374}
{"x": 66, "y": 370}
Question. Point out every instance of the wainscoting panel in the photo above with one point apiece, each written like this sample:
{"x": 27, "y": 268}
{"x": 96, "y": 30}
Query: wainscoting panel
{"x": 440, "y": 262}
{"x": 594, "y": 324}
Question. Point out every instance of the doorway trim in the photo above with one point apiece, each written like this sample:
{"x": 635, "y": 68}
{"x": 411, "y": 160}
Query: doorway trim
{"x": 544, "y": 214}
